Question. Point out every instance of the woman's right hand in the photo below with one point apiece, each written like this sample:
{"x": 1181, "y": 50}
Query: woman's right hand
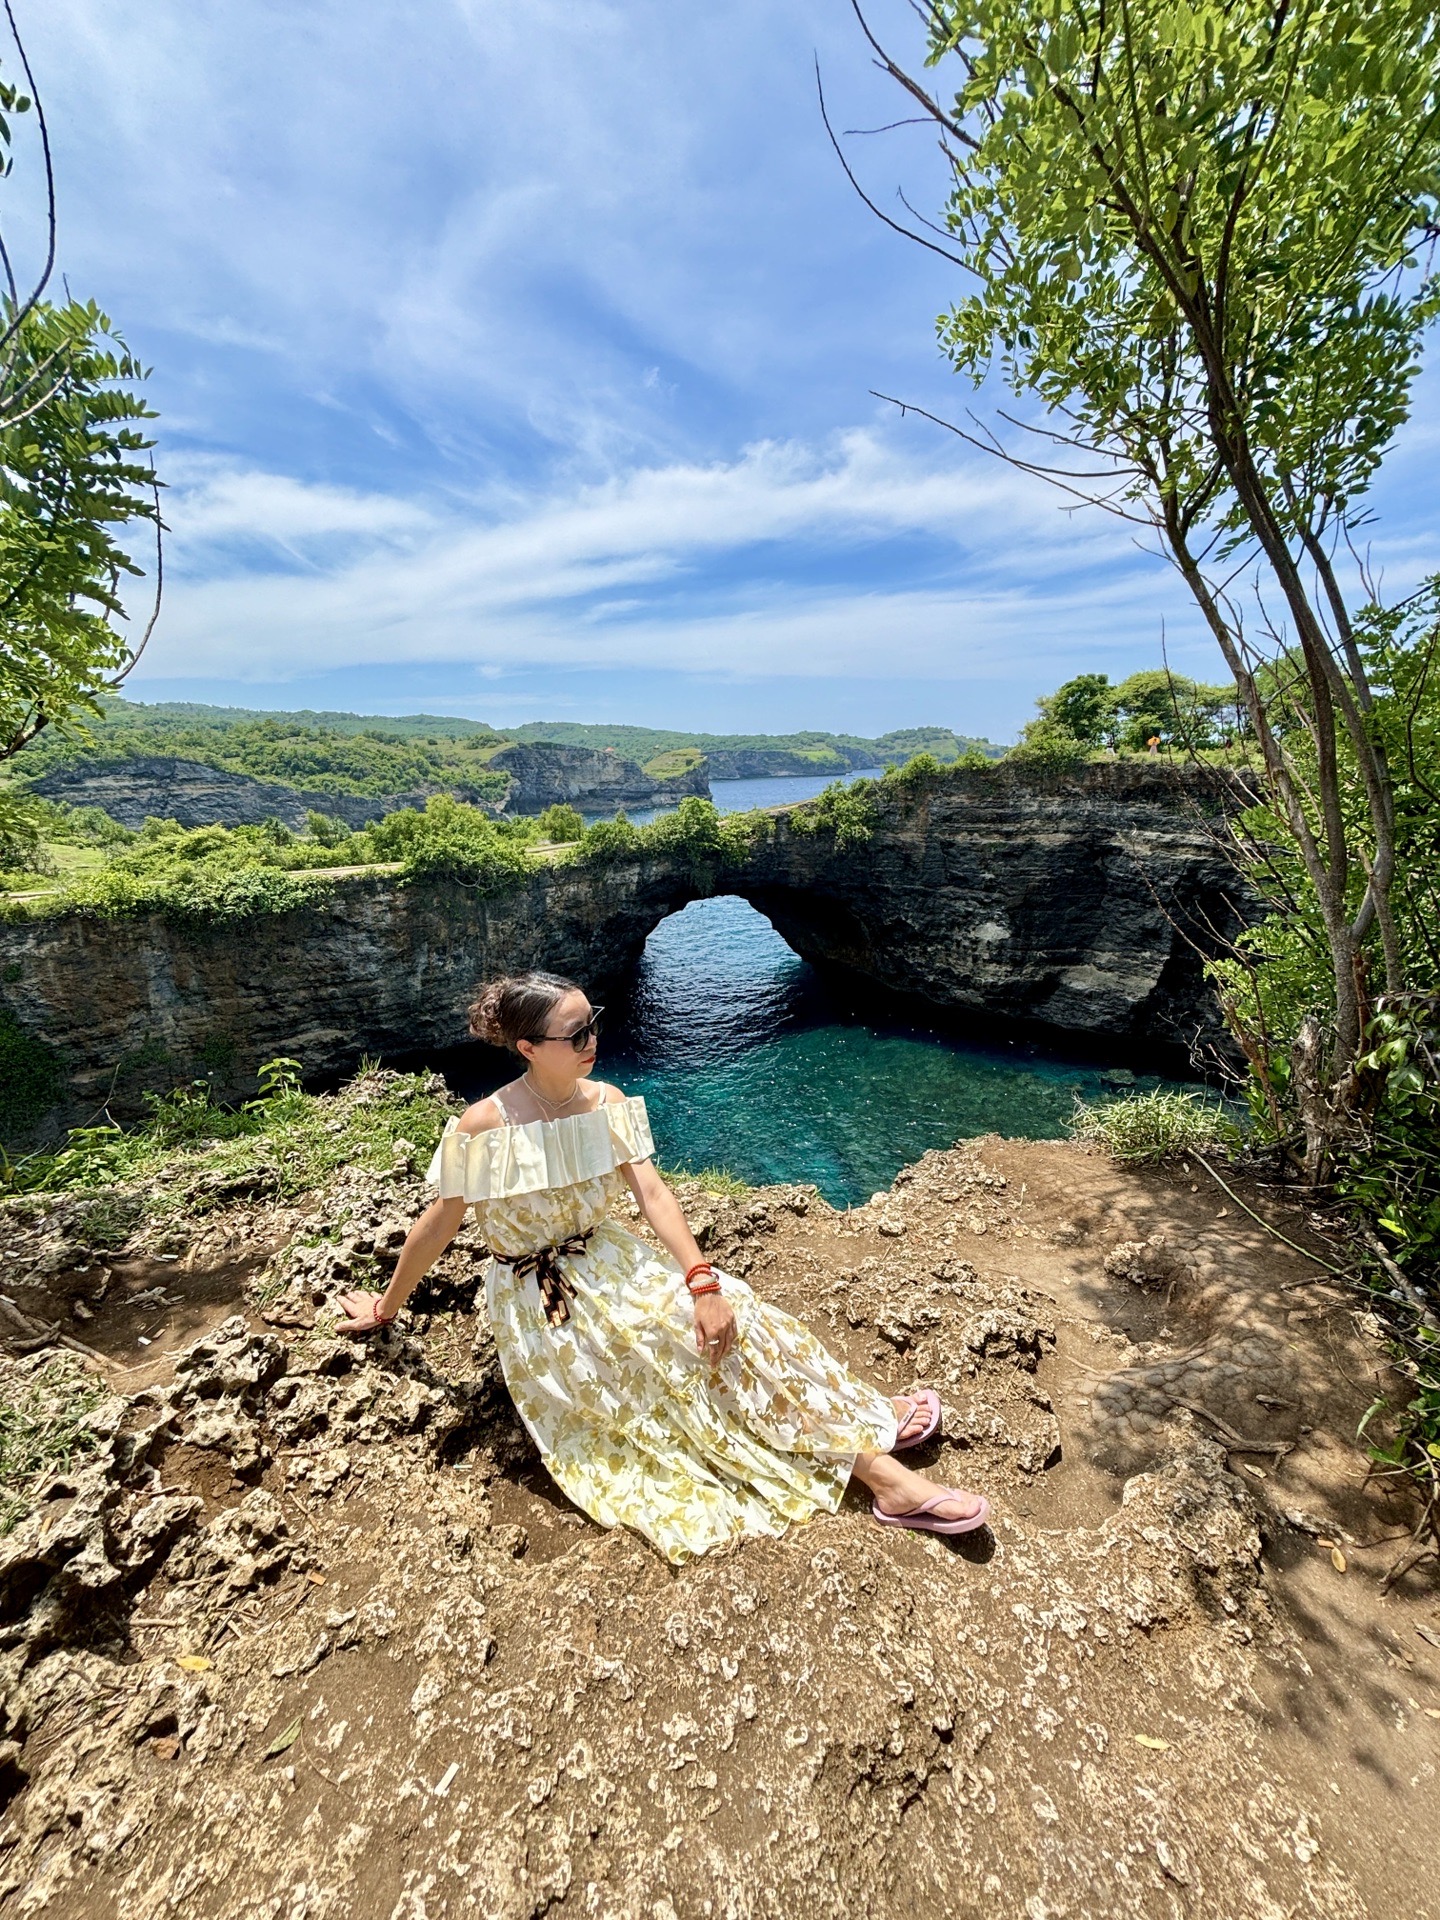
{"x": 714, "y": 1327}
{"x": 360, "y": 1311}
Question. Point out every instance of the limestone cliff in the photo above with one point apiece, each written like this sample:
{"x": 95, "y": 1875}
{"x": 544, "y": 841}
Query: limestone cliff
{"x": 146, "y": 786}
{"x": 1077, "y": 907}
{"x": 598, "y": 782}
{"x": 140, "y": 787}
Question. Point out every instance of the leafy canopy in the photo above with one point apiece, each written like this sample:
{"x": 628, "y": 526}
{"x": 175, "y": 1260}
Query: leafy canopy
{"x": 73, "y": 475}
{"x": 1194, "y": 226}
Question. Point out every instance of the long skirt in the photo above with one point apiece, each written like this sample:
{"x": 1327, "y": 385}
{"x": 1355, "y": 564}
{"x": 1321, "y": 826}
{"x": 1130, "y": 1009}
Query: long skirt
{"x": 641, "y": 1431}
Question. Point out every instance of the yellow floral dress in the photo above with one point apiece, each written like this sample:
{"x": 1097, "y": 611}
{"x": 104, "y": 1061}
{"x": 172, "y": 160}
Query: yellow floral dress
{"x": 635, "y": 1426}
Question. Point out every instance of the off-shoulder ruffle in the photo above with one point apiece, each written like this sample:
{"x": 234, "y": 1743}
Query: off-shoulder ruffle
{"x": 502, "y": 1162}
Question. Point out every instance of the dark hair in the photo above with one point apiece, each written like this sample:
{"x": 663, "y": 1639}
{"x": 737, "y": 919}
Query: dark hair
{"x": 517, "y": 1007}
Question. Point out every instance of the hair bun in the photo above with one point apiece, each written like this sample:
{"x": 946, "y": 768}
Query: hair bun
{"x": 485, "y": 1014}
{"x": 516, "y": 1007}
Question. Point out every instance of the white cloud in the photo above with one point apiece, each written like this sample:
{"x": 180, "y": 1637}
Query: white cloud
{"x": 677, "y": 552}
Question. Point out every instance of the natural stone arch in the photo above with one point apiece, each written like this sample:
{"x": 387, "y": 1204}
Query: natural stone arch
{"x": 1080, "y": 908}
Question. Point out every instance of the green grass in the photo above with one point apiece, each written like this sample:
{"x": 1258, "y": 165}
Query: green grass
{"x": 42, "y": 1430}
{"x": 192, "y": 1154}
{"x": 717, "y": 1180}
{"x": 1149, "y": 1129}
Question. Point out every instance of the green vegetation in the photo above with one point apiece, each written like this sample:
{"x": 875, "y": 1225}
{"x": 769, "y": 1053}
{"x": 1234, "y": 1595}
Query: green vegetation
{"x": 74, "y": 477}
{"x": 377, "y": 757}
{"x": 560, "y": 823}
{"x": 789, "y": 752}
{"x": 678, "y": 760}
{"x": 1148, "y": 1129}
{"x": 44, "y": 1425}
{"x": 193, "y": 1154}
{"x": 374, "y": 762}
{"x": 846, "y": 811}
{"x": 714, "y": 1180}
{"x": 1199, "y": 239}
{"x": 229, "y": 873}
{"x": 30, "y": 1077}
{"x": 696, "y": 830}
{"x": 1087, "y": 715}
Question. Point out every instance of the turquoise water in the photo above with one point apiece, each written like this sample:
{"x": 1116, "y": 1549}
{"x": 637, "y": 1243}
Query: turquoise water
{"x": 749, "y": 1061}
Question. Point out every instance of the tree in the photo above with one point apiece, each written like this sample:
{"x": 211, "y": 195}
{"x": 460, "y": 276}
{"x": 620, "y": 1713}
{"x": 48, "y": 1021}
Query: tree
{"x": 1194, "y": 231}
{"x": 1184, "y": 714}
{"x": 1082, "y": 707}
{"x": 73, "y": 475}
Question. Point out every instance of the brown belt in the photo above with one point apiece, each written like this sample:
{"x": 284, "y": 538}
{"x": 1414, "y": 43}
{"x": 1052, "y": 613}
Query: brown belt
{"x": 555, "y": 1286}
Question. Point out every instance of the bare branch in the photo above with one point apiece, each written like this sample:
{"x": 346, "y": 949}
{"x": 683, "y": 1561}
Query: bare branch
{"x": 905, "y": 233}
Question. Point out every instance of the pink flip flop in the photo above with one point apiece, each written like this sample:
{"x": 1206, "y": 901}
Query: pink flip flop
{"x": 922, "y": 1519}
{"x": 929, "y": 1400}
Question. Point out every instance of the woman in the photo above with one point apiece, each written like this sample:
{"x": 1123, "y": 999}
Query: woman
{"x": 661, "y": 1393}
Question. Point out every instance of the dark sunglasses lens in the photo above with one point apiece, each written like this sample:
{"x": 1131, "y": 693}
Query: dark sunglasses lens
{"x": 584, "y": 1035}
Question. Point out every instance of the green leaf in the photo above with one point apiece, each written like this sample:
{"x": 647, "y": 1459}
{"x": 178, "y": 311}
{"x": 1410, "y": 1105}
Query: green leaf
{"x": 283, "y": 1742}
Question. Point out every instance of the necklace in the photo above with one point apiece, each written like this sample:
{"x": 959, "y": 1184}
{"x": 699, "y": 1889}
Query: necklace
{"x": 553, "y": 1105}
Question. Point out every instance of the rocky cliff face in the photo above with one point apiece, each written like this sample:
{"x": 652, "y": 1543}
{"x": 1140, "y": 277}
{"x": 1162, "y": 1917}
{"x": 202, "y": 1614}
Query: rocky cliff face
{"x": 1079, "y": 905}
{"x": 133, "y": 791}
{"x": 1072, "y": 908}
{"x": 136, "y": 789}
{"x": 762, "y": 763}
{"x": 599, "y": 782}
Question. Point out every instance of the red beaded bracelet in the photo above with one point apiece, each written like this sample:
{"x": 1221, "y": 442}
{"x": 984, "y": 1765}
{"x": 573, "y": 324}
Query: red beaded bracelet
{"x": 700, "y": 1266}
{"x": 706, "y": 1286}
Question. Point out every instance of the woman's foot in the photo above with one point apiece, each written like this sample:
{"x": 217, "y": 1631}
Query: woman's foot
{"x": 899, "y": 1491}
{"x": 917, "y": 1416}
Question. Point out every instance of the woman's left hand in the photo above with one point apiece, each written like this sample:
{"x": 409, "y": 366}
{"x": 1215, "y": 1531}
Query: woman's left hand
{"x": 714, "y": 1327}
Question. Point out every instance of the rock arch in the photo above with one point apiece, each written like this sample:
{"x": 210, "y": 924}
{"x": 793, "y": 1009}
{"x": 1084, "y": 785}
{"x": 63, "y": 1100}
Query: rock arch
{"x": 1079, "y": 908}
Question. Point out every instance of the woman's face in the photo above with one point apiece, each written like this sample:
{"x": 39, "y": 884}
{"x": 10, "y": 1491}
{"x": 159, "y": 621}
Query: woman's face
{"x": 567, "y": 1016}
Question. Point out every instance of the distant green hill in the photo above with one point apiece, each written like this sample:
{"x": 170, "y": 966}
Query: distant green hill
{"x": 380, "y": 754}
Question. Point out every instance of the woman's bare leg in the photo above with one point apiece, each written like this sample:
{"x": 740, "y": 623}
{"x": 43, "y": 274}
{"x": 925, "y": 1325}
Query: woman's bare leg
{"x": 899, "y": 1489}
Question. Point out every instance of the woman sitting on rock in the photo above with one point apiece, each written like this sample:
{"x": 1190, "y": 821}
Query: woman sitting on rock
{"x": 661, "y": 1393}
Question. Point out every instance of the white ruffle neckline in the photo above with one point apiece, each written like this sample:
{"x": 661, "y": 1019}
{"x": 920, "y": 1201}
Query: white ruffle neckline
{"x": 503, "y": 1162}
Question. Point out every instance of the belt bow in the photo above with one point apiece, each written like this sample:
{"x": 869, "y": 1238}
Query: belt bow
{"x": 554, "y": 1283}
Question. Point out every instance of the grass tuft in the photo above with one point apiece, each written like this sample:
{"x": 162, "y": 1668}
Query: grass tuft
{"x": 1148, "y": 1129}
{"x": 716, "y": 1180}
{"x": 43, "y": 1426}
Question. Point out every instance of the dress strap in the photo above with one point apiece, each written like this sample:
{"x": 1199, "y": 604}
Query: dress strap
{"x": 505, "y": 1113}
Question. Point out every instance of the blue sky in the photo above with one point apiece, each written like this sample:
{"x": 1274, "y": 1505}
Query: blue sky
{"x": 515, "y": 362}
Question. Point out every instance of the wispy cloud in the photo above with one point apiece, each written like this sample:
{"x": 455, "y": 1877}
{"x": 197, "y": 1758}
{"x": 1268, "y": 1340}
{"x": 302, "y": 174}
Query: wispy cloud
{"x": 667, "y": 567}
{"x": 535, "y": 337}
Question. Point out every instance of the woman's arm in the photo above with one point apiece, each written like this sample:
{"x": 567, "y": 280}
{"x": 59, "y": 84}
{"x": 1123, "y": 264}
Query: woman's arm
{"x": 714, "y": 1319}
{"x": 424, "y": 1244}
{"x": 662, "y": 1210}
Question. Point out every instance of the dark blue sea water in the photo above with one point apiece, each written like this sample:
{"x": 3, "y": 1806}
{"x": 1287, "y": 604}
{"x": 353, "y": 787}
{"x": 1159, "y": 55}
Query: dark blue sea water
{"x": 739, "y": 796}
{"x": 749, "y": 1061}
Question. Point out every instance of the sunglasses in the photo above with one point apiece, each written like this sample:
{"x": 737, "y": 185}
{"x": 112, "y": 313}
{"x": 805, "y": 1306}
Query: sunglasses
{"x": 581, "y": 1037}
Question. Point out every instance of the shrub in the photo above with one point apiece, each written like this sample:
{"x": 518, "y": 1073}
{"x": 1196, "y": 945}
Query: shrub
{"x": 695, "y": 827}
{"x": 450, "y": 841}
{"x": 561, "y": 823}
{"x": 206, "y": 890}
{"x": 608, "y": 841}
{"x": 847, "y": 812}
{"x": 325, "y": 828}
{"x": 1147, "y": 1129}
{"x": 1048, "y": 745}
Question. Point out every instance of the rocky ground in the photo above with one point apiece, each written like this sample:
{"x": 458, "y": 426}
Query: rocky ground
{"x": 303, "y": 1631}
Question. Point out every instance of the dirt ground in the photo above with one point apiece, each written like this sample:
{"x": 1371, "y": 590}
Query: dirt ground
{"x": 312, "y": 1634}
